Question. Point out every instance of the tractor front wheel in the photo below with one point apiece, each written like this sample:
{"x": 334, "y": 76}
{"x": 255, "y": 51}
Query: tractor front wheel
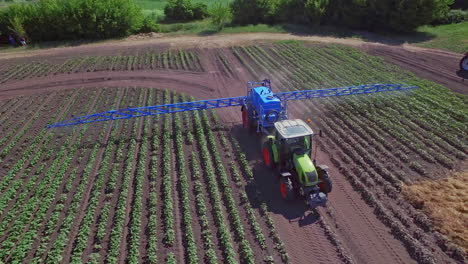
{"x": 464, "y": 64}
{"x": 325, "y": 185}
{"x": 287, "y": 189}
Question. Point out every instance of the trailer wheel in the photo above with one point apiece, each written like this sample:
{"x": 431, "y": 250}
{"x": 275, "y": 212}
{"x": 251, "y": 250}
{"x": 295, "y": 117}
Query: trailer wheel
{"x": 464, "y": 64}
{"x": 287, "y": 189}
{"x": 325, "y": 184}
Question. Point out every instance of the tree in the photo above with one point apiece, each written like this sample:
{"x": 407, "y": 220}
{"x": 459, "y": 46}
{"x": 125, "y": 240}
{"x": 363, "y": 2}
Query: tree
{"x": 220, "y": 14}
{"x": 252, "y": 11}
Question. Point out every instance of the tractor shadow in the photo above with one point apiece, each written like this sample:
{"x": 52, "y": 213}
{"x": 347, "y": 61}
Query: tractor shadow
{"x": 462, "y": 74}
{"x": 266, "y": 185}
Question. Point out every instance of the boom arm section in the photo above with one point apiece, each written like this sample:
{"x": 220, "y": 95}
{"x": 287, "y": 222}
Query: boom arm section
{"x": 353, "y": 90}
{"x": 152, "y": 110}
{"x": 227, "y": 102}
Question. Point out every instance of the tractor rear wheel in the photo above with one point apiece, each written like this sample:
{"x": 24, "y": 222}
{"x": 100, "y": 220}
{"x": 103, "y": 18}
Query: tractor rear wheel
{"x": 325, "y": 184}
{"x": 464, "y": 64}
{"x": 267, "y": 152}
{"x": 287, "y": 189}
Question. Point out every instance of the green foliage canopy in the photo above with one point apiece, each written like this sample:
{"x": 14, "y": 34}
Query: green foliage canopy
{"x": 72, "y": 19}
{"x": 184, "y": 10}
{"x": 392, "y": 15}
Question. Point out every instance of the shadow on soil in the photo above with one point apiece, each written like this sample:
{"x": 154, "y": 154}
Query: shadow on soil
{"x": 388, "y": 38}
{"x": 268, "y": 184}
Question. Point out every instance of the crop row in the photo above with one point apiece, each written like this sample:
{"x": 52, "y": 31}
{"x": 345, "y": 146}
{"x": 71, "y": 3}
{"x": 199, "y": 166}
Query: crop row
{"x": 171, "y": 59}
{"x": 41, "y": 198}
{"x": 117, "y": 231}
{"x": 362, "y": 126}
{"x": 183, "y": 191}
{"x": 232, "y": 146}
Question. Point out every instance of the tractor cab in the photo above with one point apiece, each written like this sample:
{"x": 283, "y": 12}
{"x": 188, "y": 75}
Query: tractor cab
{"x": 294, "y": 136}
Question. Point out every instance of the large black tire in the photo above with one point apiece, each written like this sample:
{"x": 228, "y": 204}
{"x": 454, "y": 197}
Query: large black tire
{"x": 287, "y": 189}
{"x": 325, "y": 184}
{"x": 267, "y": 153}
{"x": 464, "y": 64}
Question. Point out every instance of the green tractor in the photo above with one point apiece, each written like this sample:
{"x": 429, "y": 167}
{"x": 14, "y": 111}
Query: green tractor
{"x": 288, "y": 150}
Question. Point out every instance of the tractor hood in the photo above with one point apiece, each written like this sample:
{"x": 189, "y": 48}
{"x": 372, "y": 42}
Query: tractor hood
{"x": 305, "y": 170}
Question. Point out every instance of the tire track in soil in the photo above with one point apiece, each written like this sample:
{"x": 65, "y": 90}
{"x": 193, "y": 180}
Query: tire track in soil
{"x": 123, "y": 244}
{"x": 364, "y": 236}
{"x": 298, "y": 232}
{"x": 84, "y": 205}
{"x": 438, "y": 66}
{"x": 301, "y": 236}
{"x": 379, "y": 234}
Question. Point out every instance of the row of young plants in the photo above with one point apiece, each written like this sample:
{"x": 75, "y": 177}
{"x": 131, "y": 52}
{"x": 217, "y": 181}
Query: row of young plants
{"x": 32, "y": 215}
{"x": 166, "y": 186}
{"x": 402, "y": 111}
{"x": 237, "y": 179}
{"x": 23, "y": 127}
{"x": 41, "y": 199}
{"x": 12, "y": 184}
{"x": 104, "y": 207}
{"x": 15, "y": 186}
{"x": 186, "y": 60}
{"x": 8, "y": 121}
{"x": 231, "y": 145}
{"x": 97, "y": 183}
{"x": 224, "y": 234}
{"x": 440, "y": 156}
{"x": 245, "y": 250}
{"x": 115, "y": 251}
{"x": 291, "y": 55}
{"x": 29, "y": 158}
{"x": 183, "y": 189}
{"x": 60, "y": 209}
{"x": 134, "y": 255}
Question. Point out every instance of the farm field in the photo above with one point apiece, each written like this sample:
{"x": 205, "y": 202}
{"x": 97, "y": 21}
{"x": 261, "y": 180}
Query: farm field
{"x": 191, "y": 187}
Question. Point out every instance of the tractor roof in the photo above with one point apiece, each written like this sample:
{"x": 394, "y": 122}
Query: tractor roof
{"x": 293, "y": 128}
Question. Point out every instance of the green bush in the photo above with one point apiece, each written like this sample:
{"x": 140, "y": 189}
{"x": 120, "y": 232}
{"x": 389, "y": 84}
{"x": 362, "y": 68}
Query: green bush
{"x": 252, "y": 11}
{"x": 220, "y": 14}
{"x": 72, "y": 19}
{"x": 452, "y": 17}
{"x": 150, "y": 25}
{"x": 184, "y": 10}
{"x": 389, "y": 15}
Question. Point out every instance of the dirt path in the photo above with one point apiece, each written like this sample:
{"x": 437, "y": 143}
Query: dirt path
{"x": 436, "y": 65}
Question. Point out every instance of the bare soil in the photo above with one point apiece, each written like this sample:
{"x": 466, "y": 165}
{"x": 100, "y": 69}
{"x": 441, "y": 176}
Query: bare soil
{"x": 365, "y": 238}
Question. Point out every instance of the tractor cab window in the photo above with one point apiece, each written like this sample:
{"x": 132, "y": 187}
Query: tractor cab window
{"x": 299, "y": 143}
